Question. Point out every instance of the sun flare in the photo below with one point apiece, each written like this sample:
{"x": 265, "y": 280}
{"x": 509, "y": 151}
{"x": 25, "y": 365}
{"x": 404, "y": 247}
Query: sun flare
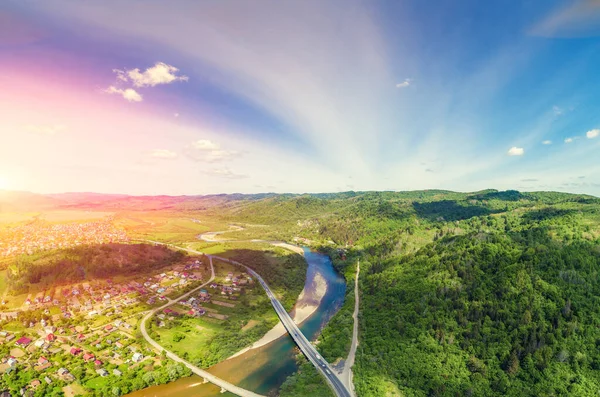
{"x": 3, "y": 183}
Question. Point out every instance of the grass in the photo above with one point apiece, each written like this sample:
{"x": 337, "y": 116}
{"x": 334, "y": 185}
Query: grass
{"x": 97, "y": 383}
{"x": 3, "y": 283}
{"x": 197, "y": 332}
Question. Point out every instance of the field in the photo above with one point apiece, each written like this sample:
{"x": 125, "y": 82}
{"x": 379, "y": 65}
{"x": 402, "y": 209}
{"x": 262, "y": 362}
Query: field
{"x": 166, "y": 227}
{"x": 61, "y": 216}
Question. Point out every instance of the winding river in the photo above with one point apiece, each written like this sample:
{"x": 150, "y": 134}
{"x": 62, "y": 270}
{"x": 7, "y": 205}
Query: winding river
{"x": 264, "y": 369}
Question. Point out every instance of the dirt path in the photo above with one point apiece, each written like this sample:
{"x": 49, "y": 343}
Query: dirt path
{"x": 346, "y": 375}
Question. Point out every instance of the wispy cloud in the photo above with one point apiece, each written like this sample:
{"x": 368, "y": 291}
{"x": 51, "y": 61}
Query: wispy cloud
{"x": 163, "y": 154}
{"x": 404, "y": 84}
{"x": 547, "y": 142}
{"x": 208, "y": 151}
{"x": 160, "y": 73}
{"x": 44, "y": 129}
{"x": 568, "y": 140}
{"x": 557, "y": 110}
{"x": 225, "y": 173}
{"x": 591, "y": 134}
{"x": 516, "y": 151}
{"x": 129, "y": 94}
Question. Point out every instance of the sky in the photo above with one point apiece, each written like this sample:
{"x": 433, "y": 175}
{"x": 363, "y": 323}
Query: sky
{"x": 216, "y": 96}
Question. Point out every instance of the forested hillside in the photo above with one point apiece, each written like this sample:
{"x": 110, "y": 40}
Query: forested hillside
{"x": 487, "y": 293}
{"x": 62, "y": 266}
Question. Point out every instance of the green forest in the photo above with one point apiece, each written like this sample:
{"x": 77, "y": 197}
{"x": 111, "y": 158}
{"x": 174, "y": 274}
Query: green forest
{"x": 484, "y": 294}
{"x": 101, "y": 261}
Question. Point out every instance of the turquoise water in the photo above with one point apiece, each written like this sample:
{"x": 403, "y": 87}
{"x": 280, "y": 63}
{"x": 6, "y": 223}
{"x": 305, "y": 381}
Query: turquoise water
{"x": 263, "y": 370}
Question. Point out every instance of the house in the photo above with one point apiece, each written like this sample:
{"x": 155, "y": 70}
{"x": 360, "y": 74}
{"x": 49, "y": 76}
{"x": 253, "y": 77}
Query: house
{"x": 44, "y": 366}
{"x": 108, "y": 328}
{"x": 42, "y": 360}
{"x": 119, "y": 345}
{"x": 97, "y": 363}
{"x": 35, "y": 383}
{"x": 10, "y": 337}
{"x": 116, "y": 372}
{"x": 50, "y": 337}
{"x": 62, "y": 372}
{"x": 48, "y": 380}
{"x": 137, "y": 357}
{"x": 88, "y": 357}
{"x": 24, "y": 341}
{"x": 75, "y": 351}
{"x": 102, "y": 372}
{"x": 39, "y": 343}
{"x": 12, "y": 362}
{"x": 80, "y": 337}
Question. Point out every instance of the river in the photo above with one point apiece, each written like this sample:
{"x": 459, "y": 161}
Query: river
{"x": 264, "y": 369}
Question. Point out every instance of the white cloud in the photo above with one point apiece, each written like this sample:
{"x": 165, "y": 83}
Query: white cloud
{"x": 176, "y": 115}
{"x": 516, "y": 151}
{"x": 405, "y": 83}
{"x": 205, "y": 144}
{"x": 568, "y": 140}
{"x": 225, "y": 173}
{"x": 160, "y": 73}
{"x": 547, "y": 142}
{"x": 219, "y": 155}
{"x": 591, "y": 134}
{"x": 209, "y": 151}
{"x": 163, "y": 154}
{"x": 128, "y": 93}
{"x": 44, "y": 129}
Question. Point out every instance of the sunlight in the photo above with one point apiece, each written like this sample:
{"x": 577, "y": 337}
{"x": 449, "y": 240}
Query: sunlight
{"x": 3, "y": 183}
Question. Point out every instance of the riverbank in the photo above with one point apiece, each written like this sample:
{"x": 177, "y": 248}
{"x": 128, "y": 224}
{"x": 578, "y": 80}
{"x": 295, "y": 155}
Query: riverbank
{"x": 308, "y": 302}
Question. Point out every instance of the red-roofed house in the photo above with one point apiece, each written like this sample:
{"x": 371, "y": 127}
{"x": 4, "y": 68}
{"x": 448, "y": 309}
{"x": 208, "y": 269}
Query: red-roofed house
{"x": 88, "y": 357}
{"x": 97, "y": 363}
{"x": 24, "y": 341}
{"x": 50, "y": 337}
{"x": 81, "y": 336}
{"x": 42, "y": 360}
{"x": 108, "y": 328}
{"x": 75, "y": 351}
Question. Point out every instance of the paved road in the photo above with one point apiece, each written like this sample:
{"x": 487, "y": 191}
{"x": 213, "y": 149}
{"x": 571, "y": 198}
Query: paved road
{"x": 346, "y": 375}
{"x": 198, "y": 371}
{"x": 307, "y": 348}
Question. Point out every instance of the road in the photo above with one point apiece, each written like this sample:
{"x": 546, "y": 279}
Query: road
{"x": 224, "y": 385}
{"x": 346, "y": 375}
{"x": 304, "y": 344}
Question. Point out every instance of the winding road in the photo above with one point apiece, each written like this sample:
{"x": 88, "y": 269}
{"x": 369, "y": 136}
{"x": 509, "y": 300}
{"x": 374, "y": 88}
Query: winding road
{"x": 346, "y": 375}
{"x": 339, "y": 387}
{"x": 208, "y": 377}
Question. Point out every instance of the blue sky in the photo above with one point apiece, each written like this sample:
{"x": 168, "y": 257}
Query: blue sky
{"x": 194, "y": 97}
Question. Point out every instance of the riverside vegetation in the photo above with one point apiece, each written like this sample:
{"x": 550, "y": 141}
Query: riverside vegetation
{"x": 489, "y": 293}
{"x": 485, "y": 294}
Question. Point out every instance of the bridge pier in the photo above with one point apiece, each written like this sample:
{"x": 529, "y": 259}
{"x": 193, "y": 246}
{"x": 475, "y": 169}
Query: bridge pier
{"x": 204, "y": 380}
{"x": 223, "y": 390}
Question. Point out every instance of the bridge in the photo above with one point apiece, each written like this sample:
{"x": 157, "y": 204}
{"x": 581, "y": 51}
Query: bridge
{"x": 304, "y": 344}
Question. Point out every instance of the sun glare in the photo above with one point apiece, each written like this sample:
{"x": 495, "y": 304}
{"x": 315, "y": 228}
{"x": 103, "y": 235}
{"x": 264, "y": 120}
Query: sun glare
{"x": 3, "y": 183}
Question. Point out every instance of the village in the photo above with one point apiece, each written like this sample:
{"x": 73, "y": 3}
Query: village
{"x": 75, "y": 335}
{"x": 39, "y": 235}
